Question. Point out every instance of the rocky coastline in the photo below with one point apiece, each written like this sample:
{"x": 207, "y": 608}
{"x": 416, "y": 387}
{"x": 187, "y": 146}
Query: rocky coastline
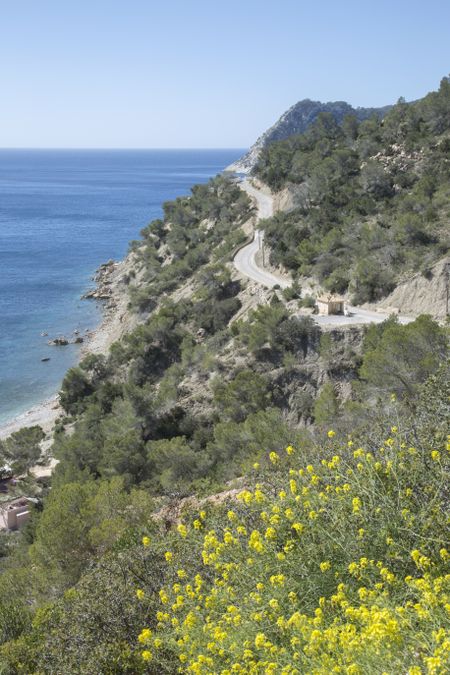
{"x": 111, "y": 292}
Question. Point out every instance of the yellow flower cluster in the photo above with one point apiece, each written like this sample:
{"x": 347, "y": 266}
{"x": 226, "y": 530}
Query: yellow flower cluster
{"x": 335, "y": 567}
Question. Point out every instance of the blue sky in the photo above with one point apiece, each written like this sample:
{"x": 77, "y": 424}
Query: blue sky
{"x": 192, "y": 73}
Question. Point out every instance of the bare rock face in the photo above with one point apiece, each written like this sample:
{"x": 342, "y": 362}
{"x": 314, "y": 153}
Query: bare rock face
{"x": 102, "y": 278}
{"x": 296, "y": 120}
{"x": 424, "y": 293}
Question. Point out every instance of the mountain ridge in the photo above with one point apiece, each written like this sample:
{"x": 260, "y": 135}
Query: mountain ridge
{"x": 296, "y": 120}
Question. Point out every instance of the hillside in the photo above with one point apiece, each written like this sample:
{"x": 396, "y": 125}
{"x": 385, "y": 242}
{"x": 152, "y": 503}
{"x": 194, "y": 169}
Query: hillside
{"x": 370, "y": 200}
{"x": 237, "y": 489}
{"x": 296, "y": 120}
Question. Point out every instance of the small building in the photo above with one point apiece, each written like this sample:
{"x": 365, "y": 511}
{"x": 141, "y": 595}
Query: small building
{"x": 330, "y": 304}
{"x": 16, "y": 513}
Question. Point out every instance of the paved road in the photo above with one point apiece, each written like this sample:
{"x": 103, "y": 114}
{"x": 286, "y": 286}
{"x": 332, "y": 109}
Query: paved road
{"x": 264, "y": 202}
{"x": 244, "y": 260}
{"x": 357, "y": 315}
{"x": 245, "y": 263}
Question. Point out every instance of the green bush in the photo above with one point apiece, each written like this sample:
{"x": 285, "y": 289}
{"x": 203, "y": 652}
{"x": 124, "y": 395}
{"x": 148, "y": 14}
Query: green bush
{"x": 245, "y": 394}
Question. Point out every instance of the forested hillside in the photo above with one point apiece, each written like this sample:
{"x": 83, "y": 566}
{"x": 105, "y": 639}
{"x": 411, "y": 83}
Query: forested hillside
{"x": 237, "y": 490}
{"x": 296, "y": 121}
{"x": 373, "y": 197}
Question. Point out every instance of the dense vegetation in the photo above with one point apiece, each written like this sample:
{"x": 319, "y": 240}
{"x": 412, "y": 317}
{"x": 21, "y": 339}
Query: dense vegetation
{"x": 173, "y": 248}
{"x": 178, "y": 535}
{"x": 331, "y": 556}
{"x": 337, "y": 565}
{"x": 373, "y": 197}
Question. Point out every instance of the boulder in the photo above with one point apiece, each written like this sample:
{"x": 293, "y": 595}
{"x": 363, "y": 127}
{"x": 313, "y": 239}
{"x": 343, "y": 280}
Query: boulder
{"x": 58, "y": 342}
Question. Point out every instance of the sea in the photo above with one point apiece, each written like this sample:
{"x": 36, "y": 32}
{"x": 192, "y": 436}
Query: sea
{"x": 62, "y": 214}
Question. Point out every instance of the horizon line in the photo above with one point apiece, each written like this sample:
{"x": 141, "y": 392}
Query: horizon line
{"x": 120, "y": 148}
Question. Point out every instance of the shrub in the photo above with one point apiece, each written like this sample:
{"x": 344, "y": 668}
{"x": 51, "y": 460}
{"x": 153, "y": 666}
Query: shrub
{"x": 245, "y": 394}
{"x": 76, "y": 387}
{"x": 337, "y": 566}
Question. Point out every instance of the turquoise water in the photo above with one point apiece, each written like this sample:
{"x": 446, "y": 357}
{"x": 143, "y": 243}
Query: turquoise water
{"x": 63, "y": 213}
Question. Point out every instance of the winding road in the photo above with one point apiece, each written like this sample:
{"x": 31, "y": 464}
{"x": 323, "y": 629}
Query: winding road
{"x": 245, "y": 259}
{"x": 245, "y": 263}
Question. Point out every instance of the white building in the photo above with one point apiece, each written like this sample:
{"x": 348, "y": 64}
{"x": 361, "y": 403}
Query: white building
{"x": 330, "y": 304}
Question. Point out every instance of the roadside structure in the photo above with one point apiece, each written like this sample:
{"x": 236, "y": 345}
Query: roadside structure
{"x": 15, "y": 514}
{"x": 330, "y": 304}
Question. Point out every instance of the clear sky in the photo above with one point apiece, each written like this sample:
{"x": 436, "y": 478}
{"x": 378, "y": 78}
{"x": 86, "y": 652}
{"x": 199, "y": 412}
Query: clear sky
{"x": 203, "y": 73}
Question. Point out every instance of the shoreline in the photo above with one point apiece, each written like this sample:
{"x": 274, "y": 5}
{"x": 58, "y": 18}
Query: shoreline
{"x": 43, "y": 414}
{"x": 114, "y": 323}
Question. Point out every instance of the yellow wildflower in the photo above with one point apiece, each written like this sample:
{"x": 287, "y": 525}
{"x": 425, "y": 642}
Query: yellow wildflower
{"x": 260, "y": 640}
{"x": 271, "y": 533}
{"x": 356, "y": 504}
{"x": 277, "y": 579}
{"x": 182, "y": 530}
{"x": 145, "y": 635}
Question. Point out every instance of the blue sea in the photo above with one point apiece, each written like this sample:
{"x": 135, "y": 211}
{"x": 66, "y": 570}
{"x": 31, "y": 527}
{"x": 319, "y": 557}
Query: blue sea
{"x": 63, "y": 213}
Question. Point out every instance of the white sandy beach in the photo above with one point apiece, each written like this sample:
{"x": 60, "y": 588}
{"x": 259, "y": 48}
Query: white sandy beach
{"x": 44, "y": 414}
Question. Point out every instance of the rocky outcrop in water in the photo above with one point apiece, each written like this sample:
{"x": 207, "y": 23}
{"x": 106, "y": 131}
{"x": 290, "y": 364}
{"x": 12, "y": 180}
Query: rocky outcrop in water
{"x": 102, "y": 278}
{"x": 58, "y": 342}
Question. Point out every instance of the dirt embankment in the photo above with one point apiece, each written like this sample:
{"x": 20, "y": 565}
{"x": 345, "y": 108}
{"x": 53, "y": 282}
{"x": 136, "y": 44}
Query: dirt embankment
{"x": 112, "y": 281}
{"x": 423, "y": 293}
